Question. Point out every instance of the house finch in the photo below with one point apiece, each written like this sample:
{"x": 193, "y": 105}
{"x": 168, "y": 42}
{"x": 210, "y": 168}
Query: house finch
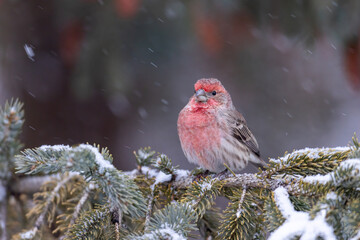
{"x": 213, "y": 133}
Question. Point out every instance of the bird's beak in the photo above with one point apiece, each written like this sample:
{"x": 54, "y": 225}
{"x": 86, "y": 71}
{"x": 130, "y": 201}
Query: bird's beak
{"x": 201, "y": 95}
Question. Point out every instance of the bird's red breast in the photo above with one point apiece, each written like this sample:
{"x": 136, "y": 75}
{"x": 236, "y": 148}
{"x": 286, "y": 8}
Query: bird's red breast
{"x": 199, "y": 134}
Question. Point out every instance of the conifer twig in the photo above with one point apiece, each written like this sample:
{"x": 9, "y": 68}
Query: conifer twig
{"x": 40, "y": 220}
{"x": 118, "y": 223}
{"x": 81, "y": 203}
{"x": 117, "y": 231}
{"x": 241, "y": 202}
{"x": 149, "y": 207}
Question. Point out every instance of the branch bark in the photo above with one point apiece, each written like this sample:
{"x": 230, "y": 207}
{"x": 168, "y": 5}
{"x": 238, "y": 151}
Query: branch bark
{"x": 30, "y": 184}
{"x": 250, "y": 180}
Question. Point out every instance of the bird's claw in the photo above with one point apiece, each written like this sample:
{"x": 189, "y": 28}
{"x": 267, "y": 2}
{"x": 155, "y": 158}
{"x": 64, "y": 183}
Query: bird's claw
{"x": 201, "y": 175}
{"x": 221, "y": 175}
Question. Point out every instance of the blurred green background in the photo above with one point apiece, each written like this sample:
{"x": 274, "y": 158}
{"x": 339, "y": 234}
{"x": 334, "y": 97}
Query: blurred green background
{"x": 117, "y": 72}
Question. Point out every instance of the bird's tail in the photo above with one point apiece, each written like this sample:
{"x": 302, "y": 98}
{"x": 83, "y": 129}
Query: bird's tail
{"x": 258, "y": 162}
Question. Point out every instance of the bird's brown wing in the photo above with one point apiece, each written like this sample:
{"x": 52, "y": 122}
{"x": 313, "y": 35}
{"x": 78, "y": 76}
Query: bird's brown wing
{"x": 242, "y": 133}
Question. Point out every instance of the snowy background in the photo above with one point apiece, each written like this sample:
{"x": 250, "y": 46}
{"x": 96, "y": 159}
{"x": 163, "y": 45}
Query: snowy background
{"x": 118, "y": 72}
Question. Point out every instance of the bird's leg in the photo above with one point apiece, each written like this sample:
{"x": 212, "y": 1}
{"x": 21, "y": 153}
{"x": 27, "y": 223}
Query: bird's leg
{"x": 202, "y": 175}
{"x": 222, "y": 174}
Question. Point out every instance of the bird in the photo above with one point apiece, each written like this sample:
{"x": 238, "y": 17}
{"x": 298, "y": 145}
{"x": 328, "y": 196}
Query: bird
{"x": 213, "y": 134}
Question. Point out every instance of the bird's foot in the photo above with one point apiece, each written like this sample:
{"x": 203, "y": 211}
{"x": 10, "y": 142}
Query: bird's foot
{"x": 222, "y": 175}
{"x": 201, "y": 175}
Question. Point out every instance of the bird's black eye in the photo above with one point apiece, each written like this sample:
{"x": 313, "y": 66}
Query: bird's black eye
{"x": 213, "y": 93}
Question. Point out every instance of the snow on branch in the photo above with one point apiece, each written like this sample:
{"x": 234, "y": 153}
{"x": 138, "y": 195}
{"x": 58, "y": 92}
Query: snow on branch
{"x": 313, "y": 153}
{"x": 348, "y": 169}
{"x": 299, "y": 223}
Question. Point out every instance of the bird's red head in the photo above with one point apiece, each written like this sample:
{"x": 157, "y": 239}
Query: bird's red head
{"x": 209, "y": 85}
{"x": 209, "y": 92}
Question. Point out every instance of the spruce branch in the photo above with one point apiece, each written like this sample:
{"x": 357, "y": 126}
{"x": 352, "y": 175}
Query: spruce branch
{"x": 163, "y": 163}
{"x": 11, "y": 121}
{"x": 241, "y": 201}
{"x": 80, "y": 195}
{"x": 342, "y": 213}
{"x": 344, "y": 179}
{"x": 178, "y": 217}
{"x": 304, "y": 203}
{"x": 174, "y": 221}
{"x": 117, "y": 231}
{"x": 122, "y": 192}
{"x": 209, "y": 224}
{"x": 46, "y": 201}
{"x": 243, "y": 217}
{"x": 45, "y": 207}
{"x": 351, "y": 219}
{"x": 144, "y": 156}
{"x": 201, "y": 194}
{"x": 355, "y": 153}
{"x": 149, "y": 208}
{"x": 248, "y": 179}
{"x": 275, "y": 177}
{"x": 308, "y": 161}
{"x": 81, "y": 203}
{"x": 92, "y": 224}
{"x": 273, "y": 216}
{"x": 45, "y": 160}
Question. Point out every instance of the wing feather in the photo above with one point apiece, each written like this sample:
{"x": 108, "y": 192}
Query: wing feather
{"x": 242, "y": 133}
